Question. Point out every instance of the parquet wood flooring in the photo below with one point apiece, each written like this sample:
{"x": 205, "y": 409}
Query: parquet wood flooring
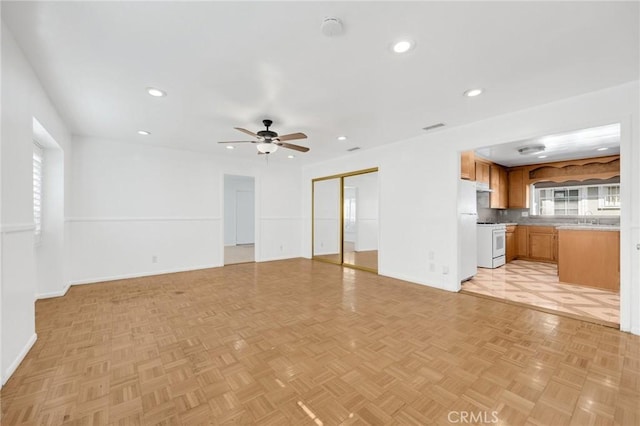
{"x": 308, "y": 343}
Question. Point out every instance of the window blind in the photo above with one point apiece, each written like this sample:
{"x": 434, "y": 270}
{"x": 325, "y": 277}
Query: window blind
{"x": 38, "y": 158}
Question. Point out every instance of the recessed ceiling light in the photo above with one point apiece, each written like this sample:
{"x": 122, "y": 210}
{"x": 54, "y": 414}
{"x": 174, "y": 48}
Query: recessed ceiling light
{"x": 143, "y": 133}
{"x": 231, "y": 147}
{"x": 156, "y": 92}
{"x": 342, "y": 138}
{"x": 473, "y": 92}
{"x": 542, "y": 156}
{"x": 403, "y": 46}
{"x": 604, "y": 148}
{"x": 291, "y": 156}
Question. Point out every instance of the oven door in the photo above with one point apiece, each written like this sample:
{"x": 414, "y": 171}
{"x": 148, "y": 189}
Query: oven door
{"x": 499, "y": 241}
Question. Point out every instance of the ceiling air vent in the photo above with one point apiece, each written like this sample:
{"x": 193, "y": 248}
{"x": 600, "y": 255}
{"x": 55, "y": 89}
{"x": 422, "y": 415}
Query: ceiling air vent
{"x": 433, "y": 126}
{"x": 355, "y": 148}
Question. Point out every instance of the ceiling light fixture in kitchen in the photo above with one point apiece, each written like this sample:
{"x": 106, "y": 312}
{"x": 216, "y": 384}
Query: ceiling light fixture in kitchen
{"x": 156, "y": 92}
{"x": 403, "y": 46}
{"x": 291, "y": 156}
{"x": 531, "y": 149}
{"x": 143, "y": 133}
{"x": 231, "y": 147}
{"x": 604, "y": 148}
{"x": 342, "y": 138}
{"x": 473, "y": 93}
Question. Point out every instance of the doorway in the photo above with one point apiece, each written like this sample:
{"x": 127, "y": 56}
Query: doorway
{"x": 561, "y": 214}
{"x": 239, "y": 219}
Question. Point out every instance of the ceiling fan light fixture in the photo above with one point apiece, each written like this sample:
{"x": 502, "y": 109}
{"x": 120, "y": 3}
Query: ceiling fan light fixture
{"x": 531, "y": 150}
{"x": 231, "y": 147}
{"x": 267, "y": 148}
{"x": 342, "y": 138}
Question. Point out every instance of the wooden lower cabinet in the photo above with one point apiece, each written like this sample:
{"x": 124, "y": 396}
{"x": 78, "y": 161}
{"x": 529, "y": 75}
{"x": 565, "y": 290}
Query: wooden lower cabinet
{"x": 511, "y": 244}
{"x": 521, "y": 241}
{"x": 590, "y": 258}
{"x": 542, "y": 243}
{"x": 537, "y": 243}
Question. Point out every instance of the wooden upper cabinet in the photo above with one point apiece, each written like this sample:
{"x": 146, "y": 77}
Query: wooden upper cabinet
{"x": 483, "y": 173}
{"x": 518, "y": 189}
{"x": 467, "y": 165}
{"x": 500, "y": 191}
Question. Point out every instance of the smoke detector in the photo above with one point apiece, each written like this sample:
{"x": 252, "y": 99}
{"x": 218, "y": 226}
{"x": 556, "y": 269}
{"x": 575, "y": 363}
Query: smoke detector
{"x": 531, "y": 149}
{"x": 331, "y": 27}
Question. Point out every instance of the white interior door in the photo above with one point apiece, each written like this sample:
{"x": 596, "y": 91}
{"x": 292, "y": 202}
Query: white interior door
{"x": 245, "y": 224}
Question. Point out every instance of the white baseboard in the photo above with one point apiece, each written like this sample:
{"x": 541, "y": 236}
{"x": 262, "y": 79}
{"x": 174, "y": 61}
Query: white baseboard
{"x": 23, "y": 353}
{"x": 141, "y": 274}
{"x": 53, "y": 293}
{"x": 272, "y": 258}
{"x": 416, "y": 281}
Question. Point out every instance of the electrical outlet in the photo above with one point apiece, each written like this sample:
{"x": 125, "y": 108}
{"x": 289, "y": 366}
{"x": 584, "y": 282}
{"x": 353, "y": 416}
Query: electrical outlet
{"x": 432, "y": 267}
{"x": 445, "y": 270}
{"x": 525, "y": 214}
{"x": 154, "y": 259}
{"x": 281, "y": 247}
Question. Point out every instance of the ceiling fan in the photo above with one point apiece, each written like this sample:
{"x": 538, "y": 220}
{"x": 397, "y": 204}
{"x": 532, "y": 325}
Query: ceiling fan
{"x": 268, "y": 141}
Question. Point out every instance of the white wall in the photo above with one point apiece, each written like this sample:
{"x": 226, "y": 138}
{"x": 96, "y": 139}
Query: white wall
{"x": 22, "y": 100}
{"x": 326, "y": 216}
{"x": 233, "y": 184}
{"x": 133, "y": 204}
{"x": 419, "y": 173}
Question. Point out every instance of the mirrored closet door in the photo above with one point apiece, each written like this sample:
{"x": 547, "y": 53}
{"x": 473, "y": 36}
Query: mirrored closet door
{"x": 345, "y": 219}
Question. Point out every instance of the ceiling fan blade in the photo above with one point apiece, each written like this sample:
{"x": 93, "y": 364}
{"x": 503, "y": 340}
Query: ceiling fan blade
{"x": 292, "y": 136}
{"x": 238, "y": 142}
{"x": 246, "y": 131}
{"x": 292, "y": 146}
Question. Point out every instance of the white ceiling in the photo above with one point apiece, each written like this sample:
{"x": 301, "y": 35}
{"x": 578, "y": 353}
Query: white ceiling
{"x": 582, "y": 143}
{"x": 226, "y": 64}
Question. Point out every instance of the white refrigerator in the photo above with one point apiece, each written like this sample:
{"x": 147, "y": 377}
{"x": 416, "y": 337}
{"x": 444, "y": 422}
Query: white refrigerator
{"x": 467, "y": 230}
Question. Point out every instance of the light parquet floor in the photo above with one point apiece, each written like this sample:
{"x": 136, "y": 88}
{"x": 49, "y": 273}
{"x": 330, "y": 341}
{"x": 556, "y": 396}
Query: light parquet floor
{"x": 308, "y": 343}
{"x": 537, "y": 284}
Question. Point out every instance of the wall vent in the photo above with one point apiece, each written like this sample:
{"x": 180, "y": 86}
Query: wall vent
{"x": 433, "y": 126}
{"x": 355, "y": 148}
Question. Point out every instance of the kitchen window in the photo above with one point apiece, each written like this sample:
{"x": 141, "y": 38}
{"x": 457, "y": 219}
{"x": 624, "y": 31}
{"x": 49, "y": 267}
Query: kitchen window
{"x": 587, "y": 198}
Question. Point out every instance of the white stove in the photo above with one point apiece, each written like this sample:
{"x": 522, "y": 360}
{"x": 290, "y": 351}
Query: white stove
{"x": 491, "y": 244}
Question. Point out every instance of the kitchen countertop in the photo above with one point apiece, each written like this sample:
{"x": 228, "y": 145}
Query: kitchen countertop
{"x": 588, "y": 228}
{"x": 569, "y": 226}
